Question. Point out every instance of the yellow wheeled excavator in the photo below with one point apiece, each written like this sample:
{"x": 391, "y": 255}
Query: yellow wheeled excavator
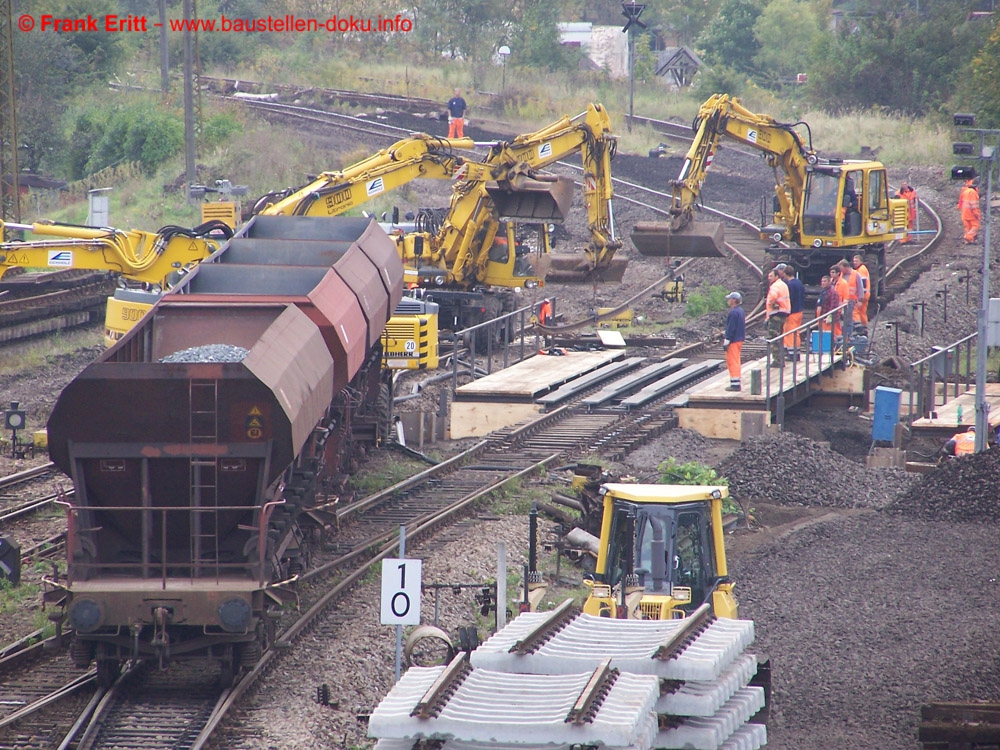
{"x": 661, "y": 554}
{"x": 824, "y": 209}
{"x": 471, "y": 261}
{"x": 460, "y": 263}
{"x": 467, "y": 258}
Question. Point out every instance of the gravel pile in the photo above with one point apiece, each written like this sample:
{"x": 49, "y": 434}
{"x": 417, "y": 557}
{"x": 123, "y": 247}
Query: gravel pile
{"x": 965, "y": 489}
{"x": 208, "y": 353}
{"x": 865, "y": 620}
{"x": 787, "y": 469}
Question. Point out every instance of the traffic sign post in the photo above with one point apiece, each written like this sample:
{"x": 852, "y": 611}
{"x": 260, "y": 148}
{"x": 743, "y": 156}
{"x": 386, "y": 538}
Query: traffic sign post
{"x": 400, "y": 594}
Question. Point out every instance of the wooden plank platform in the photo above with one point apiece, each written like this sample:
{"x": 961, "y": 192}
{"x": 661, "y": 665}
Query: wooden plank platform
{"x": 712, "y": 410}
{"x": 536, "y": 375}
{"x": 947, "y": 413}
{"x": 782, "y": 379}
{"x": 583, "y": 382}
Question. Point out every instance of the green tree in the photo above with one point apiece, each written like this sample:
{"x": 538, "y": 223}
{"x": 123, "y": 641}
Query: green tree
{"x": 786, "y": 32}
{"x": 729, "y": 39}
{"x": 101, "y": 52}
{"x": 537, "y": 37}
{"x": 891, "y": 58}
{"x": 980, "y": 91}
{"x": 645, "y": 58}
{"x": 683, "y": 19}
{"x": 469, "y": 30}
{"x": 40, "y": 92}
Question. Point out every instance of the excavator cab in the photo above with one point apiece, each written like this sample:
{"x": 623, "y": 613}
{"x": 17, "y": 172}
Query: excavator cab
{"x": 662, "y": 553}
{"x": 845, "y": 204}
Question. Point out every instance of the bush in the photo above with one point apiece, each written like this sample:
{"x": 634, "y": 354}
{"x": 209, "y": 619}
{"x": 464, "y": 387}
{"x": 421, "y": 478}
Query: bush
{"x": 137, "y": 132}
{"x": 701, "y": 303}
{"x": 219, "y": 129}
{"x": 692, "y": 472}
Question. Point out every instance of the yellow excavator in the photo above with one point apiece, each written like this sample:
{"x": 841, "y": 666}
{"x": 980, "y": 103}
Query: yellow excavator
{"x": 470, "y": 256}
{"x": 472, "y": 260}
{"x": 825, "y": 209}
{"x": 463, "y": 255}
{"x": 662, "y": 553}
{"x": 149, "y": 261}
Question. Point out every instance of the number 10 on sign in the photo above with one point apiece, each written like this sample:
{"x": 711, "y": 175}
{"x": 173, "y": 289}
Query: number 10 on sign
{"x": 401, "y": 592}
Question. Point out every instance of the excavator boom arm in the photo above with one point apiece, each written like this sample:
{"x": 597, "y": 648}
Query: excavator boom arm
{"x": 140, "y": 256}
{"x": 516, "y": 165}
{"x": 333, "y": 193}
{"x": 783, "y": 150}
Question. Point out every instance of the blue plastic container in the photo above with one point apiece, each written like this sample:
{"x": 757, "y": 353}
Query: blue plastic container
{"x": 827, "y": 341}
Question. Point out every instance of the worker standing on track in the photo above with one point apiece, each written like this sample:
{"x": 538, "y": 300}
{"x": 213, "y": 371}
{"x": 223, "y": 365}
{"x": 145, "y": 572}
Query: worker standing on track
{"x": 776, "y": 309}
{"x": 456, "y": 115}
{"x": 907, "y": 193}
{"x": 861, "y": 311}
{"x": 796, "y": 304}
{"x": 968, "y": 204}
{"x": 736, "y": 332}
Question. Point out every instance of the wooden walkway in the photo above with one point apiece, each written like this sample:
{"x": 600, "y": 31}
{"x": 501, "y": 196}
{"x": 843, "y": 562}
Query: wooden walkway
{"x": 773, "y": 381}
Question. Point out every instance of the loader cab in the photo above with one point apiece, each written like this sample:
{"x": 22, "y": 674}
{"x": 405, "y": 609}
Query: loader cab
{"x": 661, "y": 553}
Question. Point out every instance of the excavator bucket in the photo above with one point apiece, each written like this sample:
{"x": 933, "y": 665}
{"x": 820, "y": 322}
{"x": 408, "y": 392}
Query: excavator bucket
{"x": 568, "y": 268}
{"x": 533, "y": 201}
{"x": 699, "y": 239}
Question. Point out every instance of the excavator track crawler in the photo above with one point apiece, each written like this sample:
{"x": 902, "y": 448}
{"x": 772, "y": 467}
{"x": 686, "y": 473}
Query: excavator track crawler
{"x": 567, "y": 268}
{"x": 534, "y": 201}
{"x": 697, "y": 240}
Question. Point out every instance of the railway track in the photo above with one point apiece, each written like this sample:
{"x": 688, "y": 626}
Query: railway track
{"x": 144, "y": 708}
{"x": 37, "y": 309}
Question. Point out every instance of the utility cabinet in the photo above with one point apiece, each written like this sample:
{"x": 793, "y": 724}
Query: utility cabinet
{"x": 887, "y": 404}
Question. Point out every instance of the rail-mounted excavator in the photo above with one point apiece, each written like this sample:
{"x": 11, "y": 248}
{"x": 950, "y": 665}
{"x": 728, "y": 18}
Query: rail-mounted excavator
{"x": 823, "y": 209}
{"x": 469, "y": 260}
{"x": 459, "y": 262}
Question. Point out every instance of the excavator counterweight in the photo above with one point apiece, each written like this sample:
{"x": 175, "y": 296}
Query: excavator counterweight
{"x": 699, "y": 239}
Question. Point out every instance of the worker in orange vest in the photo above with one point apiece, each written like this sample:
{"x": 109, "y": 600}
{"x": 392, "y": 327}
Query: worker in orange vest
{"x": 861, "y": 310}
{"x": 545, "y": 311}
{"x": 968, "y": 204}
{"x": 961, "y": 443}
{"x": 776, "y": 309}
{"x": 907, "y": 193}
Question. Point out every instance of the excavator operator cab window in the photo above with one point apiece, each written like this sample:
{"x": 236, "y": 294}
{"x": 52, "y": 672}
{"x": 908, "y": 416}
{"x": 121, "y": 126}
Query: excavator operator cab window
{"x": 819, "y": 215}
{"x": 620, "y": 543}
{"x": 878, "y": 195}
{"x": 687, "y": 550}
{"x": 853, "y": 185}
{"x": 690, "y": 559}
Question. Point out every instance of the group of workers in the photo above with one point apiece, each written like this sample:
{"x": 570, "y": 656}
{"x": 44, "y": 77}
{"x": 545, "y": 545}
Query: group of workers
{"x": 848, "y": 282}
